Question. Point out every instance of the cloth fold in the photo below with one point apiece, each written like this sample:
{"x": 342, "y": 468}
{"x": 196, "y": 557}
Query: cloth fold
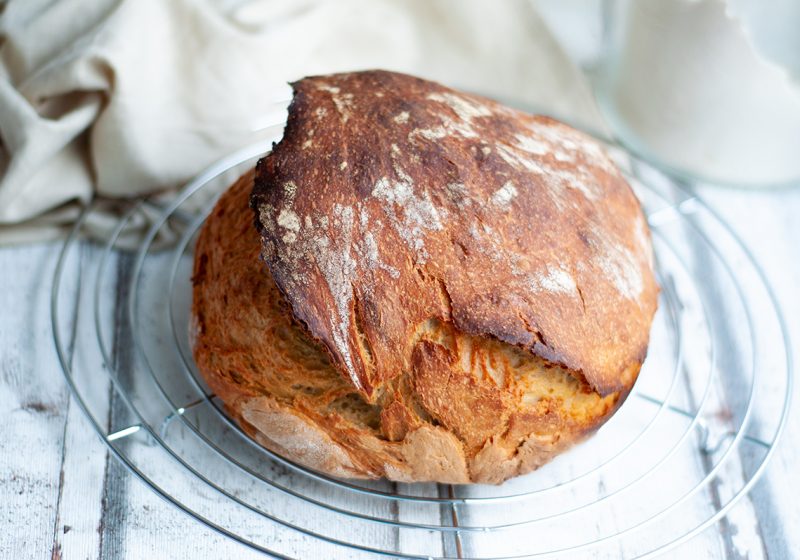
{"x": 120, "y": 98}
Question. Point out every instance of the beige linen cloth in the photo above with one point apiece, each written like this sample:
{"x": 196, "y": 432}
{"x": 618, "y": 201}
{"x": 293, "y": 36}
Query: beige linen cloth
{"x": 110, "y": 99}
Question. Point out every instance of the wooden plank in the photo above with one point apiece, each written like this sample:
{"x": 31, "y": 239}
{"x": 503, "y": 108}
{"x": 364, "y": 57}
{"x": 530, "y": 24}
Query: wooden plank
{"x": 767, "y": 222}
{"x": 76, "y": 532}
{"x": 715, "y": 290}
{"x": 33, "y": 404}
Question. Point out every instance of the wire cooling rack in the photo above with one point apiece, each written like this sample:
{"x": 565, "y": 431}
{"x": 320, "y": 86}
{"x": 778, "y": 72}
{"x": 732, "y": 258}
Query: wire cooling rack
{"x": 690, "y": 441}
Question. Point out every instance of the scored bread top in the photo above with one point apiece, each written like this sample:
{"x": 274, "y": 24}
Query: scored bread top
{"x": 392, "y": 201}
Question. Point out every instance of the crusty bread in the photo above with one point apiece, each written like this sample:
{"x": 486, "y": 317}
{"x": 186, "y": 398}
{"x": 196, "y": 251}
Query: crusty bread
{"x": 454, "y": 291}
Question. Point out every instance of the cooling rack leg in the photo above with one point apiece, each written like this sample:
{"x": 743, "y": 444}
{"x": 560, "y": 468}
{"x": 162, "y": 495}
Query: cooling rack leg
{"x": 124, "y": 432}
{"x": 130, "y": 430}
{"x": 179, "y": 412}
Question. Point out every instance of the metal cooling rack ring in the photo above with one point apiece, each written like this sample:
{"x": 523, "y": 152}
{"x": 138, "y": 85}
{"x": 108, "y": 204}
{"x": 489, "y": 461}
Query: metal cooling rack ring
{"x": 156, "y": 434}
{"x": 189, "y": 367}
{"x": 190, "y": 231}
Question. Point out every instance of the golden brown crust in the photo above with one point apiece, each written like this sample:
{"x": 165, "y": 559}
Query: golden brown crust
{"x": 465, "y": 409}
{"x": 392, "y": 201}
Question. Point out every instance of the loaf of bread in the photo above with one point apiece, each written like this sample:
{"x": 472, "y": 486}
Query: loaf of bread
{"x": 435, "y": 287}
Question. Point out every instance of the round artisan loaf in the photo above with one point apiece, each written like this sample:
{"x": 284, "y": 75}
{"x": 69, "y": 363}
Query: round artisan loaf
{"x": 449, "y": 290}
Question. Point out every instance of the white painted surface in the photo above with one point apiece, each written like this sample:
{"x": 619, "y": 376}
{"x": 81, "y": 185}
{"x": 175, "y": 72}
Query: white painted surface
{"x": 61, "y": 493}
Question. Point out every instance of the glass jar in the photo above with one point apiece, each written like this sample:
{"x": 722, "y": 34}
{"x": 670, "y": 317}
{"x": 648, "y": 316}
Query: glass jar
{"x": 708, "y": 89}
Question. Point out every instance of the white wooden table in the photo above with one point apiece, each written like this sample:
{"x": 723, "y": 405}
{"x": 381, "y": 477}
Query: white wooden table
{"x": 63, "y": 496}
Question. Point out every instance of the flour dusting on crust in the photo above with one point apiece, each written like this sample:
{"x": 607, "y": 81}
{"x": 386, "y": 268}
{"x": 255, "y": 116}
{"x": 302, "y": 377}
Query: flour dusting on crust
{"x": 503, "y": 196}
{"x": 618, "y": 263}
{"x": 342, "y": 101}
{"x": 554, "y": 279}
{"x": 409, "y": 212}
